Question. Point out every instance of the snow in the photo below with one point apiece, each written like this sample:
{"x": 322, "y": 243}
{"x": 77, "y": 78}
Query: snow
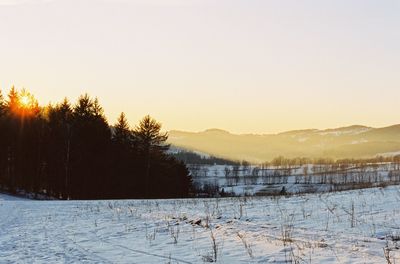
{"x": 388, "y": 154}
{"x": 4, "y": 197}
{"x": 349, "y": 131}
{"x": 256, "y": 180}
{"x": 345, "y": 227}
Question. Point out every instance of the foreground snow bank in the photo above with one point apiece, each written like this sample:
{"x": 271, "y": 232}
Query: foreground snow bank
{"x": 347, "y": 227}
{"x": 7, "y": 197}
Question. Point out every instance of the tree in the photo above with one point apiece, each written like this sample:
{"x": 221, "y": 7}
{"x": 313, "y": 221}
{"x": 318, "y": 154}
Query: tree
{"x": 13, "y": 99}
{"x": 27, "y": 104}
{"x": 151, "y": 142}
{"x": 24, "y": 132}
{"x": 149, "y": 136}
{"x": 72, "y": 152}
{"x": 3, "y": 140}
{"x": 84, "y": 107}
{"x": 123, "y": 160}
{"x": 59, "y": 147}
{"x": 98, "y": 111}
{"x": 122, "y": 133}
{"x": 2, "y": 105}
{"x": 91, "y": 138}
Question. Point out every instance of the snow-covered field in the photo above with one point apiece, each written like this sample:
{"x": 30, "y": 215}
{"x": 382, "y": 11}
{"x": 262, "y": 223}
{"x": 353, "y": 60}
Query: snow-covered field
{"x": 347, "y": 227}
{"x": 255, "y": 180}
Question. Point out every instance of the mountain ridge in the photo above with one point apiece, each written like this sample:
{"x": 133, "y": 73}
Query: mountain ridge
{"x": 354, "y": 141}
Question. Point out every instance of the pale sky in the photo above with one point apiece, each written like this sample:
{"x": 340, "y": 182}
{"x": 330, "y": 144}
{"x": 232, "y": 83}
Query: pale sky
{"x": 247, "y": 66}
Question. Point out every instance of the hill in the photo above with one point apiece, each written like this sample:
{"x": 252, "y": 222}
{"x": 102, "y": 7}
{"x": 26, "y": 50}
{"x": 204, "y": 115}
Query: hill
{"x": 345, "y": 142}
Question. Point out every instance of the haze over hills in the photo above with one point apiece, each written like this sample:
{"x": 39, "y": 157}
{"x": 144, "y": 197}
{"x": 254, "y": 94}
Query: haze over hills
{"x": 345, "y": 142}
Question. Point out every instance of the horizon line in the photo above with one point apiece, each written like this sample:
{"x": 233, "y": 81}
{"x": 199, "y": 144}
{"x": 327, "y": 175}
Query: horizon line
{"x": 281, "y": 132}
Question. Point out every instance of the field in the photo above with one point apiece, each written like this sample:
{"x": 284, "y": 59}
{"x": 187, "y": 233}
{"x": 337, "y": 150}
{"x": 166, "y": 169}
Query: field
{"x": 263, "y": 180}
{"x": 360, "y": 226}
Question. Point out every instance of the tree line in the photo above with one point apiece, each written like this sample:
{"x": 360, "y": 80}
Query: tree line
{"x": 190, "y": 157}
{"x": 283, "y": 162}
{"x": 71, "y": 152}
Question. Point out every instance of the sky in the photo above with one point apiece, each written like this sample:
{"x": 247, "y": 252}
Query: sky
{"x": 247, "y": 66}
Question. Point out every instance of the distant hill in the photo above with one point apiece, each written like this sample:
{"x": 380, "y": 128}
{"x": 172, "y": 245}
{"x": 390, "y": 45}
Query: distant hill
{"x": 345, "y": 142}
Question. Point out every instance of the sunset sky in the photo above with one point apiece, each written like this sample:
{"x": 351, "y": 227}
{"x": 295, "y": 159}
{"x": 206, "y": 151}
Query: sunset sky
{"x": 247, "y": 66}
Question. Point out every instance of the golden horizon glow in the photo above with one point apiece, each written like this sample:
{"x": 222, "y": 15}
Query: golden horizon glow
{"x": 242, "y": 66}
{"x": 25, "y": 104}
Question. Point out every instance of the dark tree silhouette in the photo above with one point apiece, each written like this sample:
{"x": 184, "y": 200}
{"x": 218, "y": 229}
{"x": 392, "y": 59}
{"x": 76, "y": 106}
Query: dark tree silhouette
{"x": 2, "y": 104}
{"x": 122, "y": 133}
{"x": 189, "y": 157}
{"x": 13, "y": 99}
{"x": 123, "y": 159}
{"x": 151, "y": 143}
{"x": 68, "y": 151}
{"x": 59, "y": 148}
{"x": 3, "y": 142}
{"x": 90, "y": 149}
{"x": 149, "y": 136}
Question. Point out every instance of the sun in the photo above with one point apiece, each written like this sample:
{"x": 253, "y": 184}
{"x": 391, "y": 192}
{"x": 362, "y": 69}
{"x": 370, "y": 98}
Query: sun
{"x": 26, "y": 104}
{"x": 25, "y": 101}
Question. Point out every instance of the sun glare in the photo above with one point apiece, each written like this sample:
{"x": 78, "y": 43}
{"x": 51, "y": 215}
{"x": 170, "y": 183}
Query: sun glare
{"x": 26, "y": 104}
{"x": 25, "y": 101}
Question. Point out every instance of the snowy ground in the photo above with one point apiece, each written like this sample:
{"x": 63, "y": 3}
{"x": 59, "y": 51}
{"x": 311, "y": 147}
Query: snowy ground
{"x": 347, "y": 227}
{"x": 254, "y": 180}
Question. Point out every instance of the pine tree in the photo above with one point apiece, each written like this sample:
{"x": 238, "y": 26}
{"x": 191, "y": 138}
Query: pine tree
{"x": 3, "y": 141}
{"x": 149, "y": 136}
{"x": 124, "y": 184}
{"x": 91, "y": 137}
{"x": 152, "y": 143}
{"x": 70, "y": 152}
{"x": 59, "y": 148}
{"x": 65, "y": 110}
{"x": 2, "y": 105}
{"x": 13, "y": 98}
{"x": 122, "y": 133}
{"x": 97, "y": 109}
{"x": 84, "y": 107}
{"x": 27, "y": 104}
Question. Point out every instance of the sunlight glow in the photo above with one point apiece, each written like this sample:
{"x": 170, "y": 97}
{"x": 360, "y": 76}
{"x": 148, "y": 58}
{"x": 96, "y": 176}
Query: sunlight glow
{"x": 242, "y": 66}
{"x": 26, "y": 104}
{"x": 25, "y": 101}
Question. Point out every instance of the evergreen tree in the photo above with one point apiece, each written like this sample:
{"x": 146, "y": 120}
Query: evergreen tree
{"x": 122, "y": 133}
{"x": 13, "y": 99}
{"x": 98, "y": 111}
{"x": 152, "y": 143}
{"x": 59, "y": 148}
{"x": 27, "y": 104}
{"x": 3, "y": 141}
{"x": 149, "y": 136}
{"x": 2, "y": 105}
{"x": 70, "y": 152}
{"x": 124, "y": 160}
{"x": 91, "y": 138}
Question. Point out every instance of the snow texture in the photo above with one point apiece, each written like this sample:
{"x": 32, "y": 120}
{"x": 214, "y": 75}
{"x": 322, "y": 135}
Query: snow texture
{"x": 347, "y": 227}
{"x": 253, "y": 180}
